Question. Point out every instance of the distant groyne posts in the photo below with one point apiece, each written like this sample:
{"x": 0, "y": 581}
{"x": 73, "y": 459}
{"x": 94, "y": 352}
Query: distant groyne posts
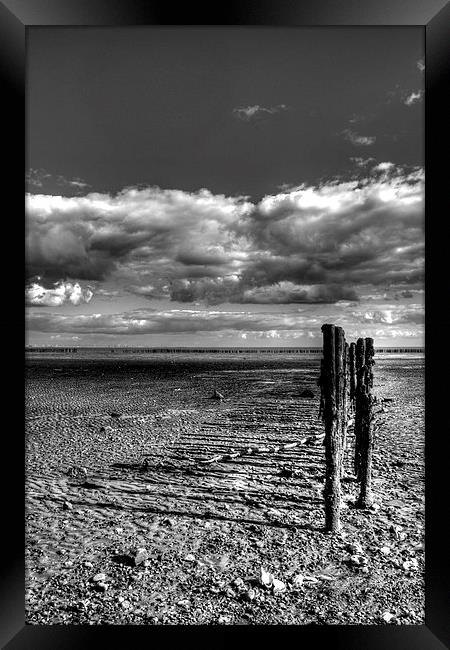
{"x": 52, "y": 350}
{"x": 346, "y": 382}
{"x": 220, "y": 351}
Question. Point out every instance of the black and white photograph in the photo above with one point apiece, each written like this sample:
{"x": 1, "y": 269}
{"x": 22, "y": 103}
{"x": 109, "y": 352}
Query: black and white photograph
{"x": 224, "y": 369}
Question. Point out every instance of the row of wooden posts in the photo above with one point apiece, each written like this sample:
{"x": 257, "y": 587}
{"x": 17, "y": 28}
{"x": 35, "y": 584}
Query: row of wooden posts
{"x": 346, "y": 382}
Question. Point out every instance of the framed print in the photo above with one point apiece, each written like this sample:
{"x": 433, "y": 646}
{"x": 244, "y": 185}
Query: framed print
{"x": 234, "y": 324}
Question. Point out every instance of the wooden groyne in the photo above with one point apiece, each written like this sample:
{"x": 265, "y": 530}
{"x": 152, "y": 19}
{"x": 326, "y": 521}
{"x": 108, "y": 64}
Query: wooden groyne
{"x": 346, "y": 382}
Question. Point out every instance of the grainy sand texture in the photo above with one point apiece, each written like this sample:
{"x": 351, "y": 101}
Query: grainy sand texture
{"x": 126, "y": 525}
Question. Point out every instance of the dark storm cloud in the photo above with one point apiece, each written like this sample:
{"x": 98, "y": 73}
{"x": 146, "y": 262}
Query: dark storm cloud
{"x": 324, "y": 240}
{"x": 88, "y": 237}
{"x": 287, "y": 292}
{"x": 200, "y": 258}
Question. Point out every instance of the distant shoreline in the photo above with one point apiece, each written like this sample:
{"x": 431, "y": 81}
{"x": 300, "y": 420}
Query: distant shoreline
{"x": 198, "y": 350}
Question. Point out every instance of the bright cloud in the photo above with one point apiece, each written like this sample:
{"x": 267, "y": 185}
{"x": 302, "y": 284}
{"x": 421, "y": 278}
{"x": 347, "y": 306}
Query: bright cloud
{"x": 413, "y": 98}
{"x": 62, "y": 292}
{"x": 248, "y": 113}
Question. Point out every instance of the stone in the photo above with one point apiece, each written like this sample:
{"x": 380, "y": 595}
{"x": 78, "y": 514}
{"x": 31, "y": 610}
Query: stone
{"x": 135, "y": 557}
{"x": 278, "y": 586}
{"x": 354, "y": 548}
{"x": 250, "y": 594}
{"x": 184, "y": 603}
{"x": 298, "y": 580}
{"x": 224, "y": 620}
{"x": 99, "y": 577}
{"x": 265, "y": 578}
{"x": 79, "y": 473}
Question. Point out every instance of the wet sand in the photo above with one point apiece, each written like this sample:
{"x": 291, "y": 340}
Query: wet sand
{"x": 207, "y": 529}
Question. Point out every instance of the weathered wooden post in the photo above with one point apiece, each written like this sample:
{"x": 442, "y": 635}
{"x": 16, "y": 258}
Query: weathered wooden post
{"x": 359, "y": 408}
{"x": 332, "y": 385}
{"x": 352, "y": 374}
{"x": 366, "y": 436}
{"x": 344, "y": 421}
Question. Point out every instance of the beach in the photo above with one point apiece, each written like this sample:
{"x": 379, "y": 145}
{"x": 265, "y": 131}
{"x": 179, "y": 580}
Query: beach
{"x": 130, "y": 520}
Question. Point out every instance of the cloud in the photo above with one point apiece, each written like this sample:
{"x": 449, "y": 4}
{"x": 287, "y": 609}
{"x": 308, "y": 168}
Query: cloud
{"x": 62, "y": 292}
{"x": 37, "y": 178}
{"x": 384, "y": 167}
{"x": 393, "y": 315}
{"x": 90, "y": 237}
{"x": 362, "y": 162}
{"x": 233, "y": 322}
{"x": 162, "y": 322}
{"x": 248, "y": 113}
{"x": 421, "y": 65}
{"x": 77, "y": 182}
{"x": 413, "y": 98}
{"x": 358, "y": 140}
{"x": 311, "y": 243}
{"x": 288, "y": 292}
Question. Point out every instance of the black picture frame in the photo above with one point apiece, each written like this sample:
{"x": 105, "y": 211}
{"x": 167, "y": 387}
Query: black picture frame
{"x": 16, "y": 16}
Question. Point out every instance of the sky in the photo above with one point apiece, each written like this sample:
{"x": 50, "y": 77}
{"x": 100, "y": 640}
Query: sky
{"x": 216, "y": 186}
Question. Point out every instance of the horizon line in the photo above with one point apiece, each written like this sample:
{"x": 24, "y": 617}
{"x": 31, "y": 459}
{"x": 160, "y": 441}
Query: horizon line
{"x": 209, "y": 347}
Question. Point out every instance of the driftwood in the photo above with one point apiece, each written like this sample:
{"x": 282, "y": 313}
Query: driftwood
{"x": 251, "y": 450}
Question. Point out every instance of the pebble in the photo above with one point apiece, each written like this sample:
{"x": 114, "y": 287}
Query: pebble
{"x": 223, "y": 620}
{"x": 250, "y": 595}
{"x": 298, "y": 580}
{"x": 184, "y": 603}
{"x": 140, "y": 556}
{"x": 99, "y": 577}
{"x": 354, "y": 548}
{"x": 278, "y": 586}
{"x": 265, "y": 578}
